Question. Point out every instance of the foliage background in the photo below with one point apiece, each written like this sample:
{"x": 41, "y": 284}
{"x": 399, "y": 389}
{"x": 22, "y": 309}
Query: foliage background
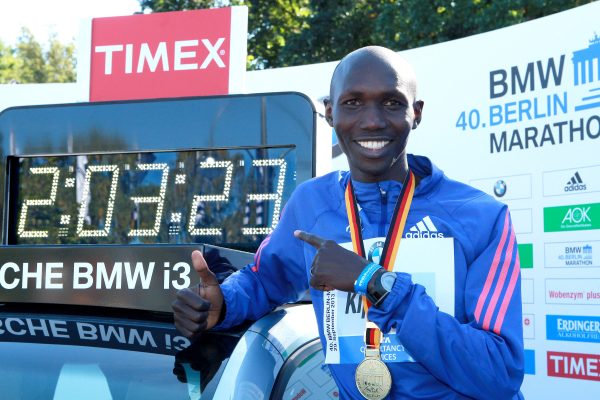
{"x": 283, "y": 33}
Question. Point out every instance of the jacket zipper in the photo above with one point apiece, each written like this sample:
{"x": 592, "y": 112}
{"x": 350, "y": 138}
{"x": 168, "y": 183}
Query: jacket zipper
{"x": 383, "y": 218}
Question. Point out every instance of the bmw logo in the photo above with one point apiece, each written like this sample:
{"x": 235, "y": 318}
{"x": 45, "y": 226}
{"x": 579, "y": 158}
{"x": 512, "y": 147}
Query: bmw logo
{"x": 500, "y": 188}
{"x": 375, "y": 252}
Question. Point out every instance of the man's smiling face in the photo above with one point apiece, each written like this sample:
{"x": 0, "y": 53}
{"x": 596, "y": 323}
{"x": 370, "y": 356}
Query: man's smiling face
{"x": 372, "y": 108}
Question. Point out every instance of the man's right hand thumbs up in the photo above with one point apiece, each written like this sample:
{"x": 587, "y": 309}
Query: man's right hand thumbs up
{"x": 199, "y": 307}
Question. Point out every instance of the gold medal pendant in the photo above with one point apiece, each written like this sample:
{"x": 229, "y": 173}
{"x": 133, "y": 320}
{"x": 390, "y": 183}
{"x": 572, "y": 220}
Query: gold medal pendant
{"x": 372, "y": 376}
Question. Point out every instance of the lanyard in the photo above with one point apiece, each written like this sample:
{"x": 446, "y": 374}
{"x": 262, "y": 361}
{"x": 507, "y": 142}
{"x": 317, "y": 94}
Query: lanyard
{"x": 391, "y": 245}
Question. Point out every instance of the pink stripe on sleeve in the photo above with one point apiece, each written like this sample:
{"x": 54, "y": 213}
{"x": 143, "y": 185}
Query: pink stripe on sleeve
{"x": 500, "y": 284}
{"x": 258, "y": 253}
{"x": 508, "y": 295}
{"x": 492, "y": 271}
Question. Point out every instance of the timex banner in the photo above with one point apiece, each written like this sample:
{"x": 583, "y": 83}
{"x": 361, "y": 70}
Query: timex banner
{"x": 172, "y": 54}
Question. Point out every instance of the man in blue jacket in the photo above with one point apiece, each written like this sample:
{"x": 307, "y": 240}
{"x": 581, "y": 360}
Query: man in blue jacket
{"x": 367, "y": 232}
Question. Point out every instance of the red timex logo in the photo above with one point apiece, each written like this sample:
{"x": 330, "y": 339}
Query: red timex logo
{"x": 171, "y": 54}
{"x": 184, "y": 56}
{"x": 574, "y": 365}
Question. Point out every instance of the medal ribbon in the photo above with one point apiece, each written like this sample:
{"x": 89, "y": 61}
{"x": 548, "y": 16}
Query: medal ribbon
{"x": 390, "y": 247}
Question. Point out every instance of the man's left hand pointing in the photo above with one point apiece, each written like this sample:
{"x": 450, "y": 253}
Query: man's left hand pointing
{"x": 333, "y": 266}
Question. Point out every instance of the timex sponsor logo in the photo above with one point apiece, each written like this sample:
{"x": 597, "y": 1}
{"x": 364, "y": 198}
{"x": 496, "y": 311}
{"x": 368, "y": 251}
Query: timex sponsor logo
{"x": 574, "y": 365}
{"x": 179, "y": 55}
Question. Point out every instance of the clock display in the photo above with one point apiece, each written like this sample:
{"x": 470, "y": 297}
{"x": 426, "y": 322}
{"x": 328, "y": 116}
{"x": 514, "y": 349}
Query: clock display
{"x": 226, "y": 196}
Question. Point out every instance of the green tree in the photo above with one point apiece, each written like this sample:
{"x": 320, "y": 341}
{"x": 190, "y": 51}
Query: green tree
{"x": 60, "y": 62}
{"x": 30, "y": 51}
{"x": 9, "y": 64}
{"x": 28, "y": 62}
{"x": 295, "y": 32}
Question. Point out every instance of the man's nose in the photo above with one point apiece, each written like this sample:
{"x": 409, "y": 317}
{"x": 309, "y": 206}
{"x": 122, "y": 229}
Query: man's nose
{"x": 372, "y": 118}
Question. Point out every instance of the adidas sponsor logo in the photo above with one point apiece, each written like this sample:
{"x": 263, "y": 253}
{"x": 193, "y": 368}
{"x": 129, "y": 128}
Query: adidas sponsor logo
{"x": 424, "y": 229}
{"x": 575, "y": 183}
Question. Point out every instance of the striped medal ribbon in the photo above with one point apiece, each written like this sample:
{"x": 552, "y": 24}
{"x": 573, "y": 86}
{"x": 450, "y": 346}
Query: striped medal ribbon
{"x": 372, "y": 376}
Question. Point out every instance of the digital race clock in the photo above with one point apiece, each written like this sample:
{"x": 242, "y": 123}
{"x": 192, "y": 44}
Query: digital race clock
{"x": 227, "y": 195}
{"x": 213, "y": 170}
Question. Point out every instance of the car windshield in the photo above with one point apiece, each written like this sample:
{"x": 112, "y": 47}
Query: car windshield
{"x": 42, "y": 371}
{"x": 70, "y": 357}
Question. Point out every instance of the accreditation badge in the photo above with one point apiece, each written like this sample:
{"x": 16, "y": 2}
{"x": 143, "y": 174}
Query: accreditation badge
{"x": 430, "y": 262}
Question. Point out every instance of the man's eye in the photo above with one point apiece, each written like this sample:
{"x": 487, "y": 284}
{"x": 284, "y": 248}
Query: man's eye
{"x": 393, "y": 103}
{"x": 352, "y": 102}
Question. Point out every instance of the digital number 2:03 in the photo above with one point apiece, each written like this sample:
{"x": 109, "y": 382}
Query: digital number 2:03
{"x": 199, "y": 189}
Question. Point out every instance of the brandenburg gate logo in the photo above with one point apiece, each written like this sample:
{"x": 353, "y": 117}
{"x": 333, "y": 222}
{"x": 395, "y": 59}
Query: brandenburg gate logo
{"x": 584, "y": 72}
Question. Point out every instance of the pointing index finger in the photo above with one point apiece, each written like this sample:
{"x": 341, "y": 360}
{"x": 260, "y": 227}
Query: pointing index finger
{"x": 309, "y": 238}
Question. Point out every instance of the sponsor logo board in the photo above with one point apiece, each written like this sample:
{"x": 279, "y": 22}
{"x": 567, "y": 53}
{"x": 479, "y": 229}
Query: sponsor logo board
{"x": 573, "y": 328}
{"x": 573, "y": 291}
{"x": 525, "y": 255}
{"x": 522, "y": 220}
{"x": 529, "y": 362}
{"x": 528, "y": 326}
{"x": 574, "y": 365}
{"x": 572, "y": 254}
{"x": 506, "y": 187}
{"x": 171, "y": 54}
{"x": 572, "y": 181}
{"x": 527, "y": 291}
{"x": 572, "y": 217}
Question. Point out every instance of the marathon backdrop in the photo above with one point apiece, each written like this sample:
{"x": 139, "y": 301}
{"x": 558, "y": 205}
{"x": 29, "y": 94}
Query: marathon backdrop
{"x": 516, "y": 113}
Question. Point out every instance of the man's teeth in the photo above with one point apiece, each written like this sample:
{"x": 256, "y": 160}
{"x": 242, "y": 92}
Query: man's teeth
{"x": 373, "y": 144}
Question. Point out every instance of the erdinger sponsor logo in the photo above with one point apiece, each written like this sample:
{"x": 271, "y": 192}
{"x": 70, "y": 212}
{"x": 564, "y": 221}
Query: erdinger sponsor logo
{"x": 573, "y": 328}
{"x": 574, "y": 365}
{"x": 424, "y": 229}
{"x": 575, "y": 183}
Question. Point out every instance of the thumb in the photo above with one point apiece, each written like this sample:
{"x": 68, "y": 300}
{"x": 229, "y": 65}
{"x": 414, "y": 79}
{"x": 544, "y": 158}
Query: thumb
{"x": 207, "y": 277}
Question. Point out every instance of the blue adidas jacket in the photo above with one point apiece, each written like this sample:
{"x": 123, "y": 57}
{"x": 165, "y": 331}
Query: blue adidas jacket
{"x": 477, "y": 353}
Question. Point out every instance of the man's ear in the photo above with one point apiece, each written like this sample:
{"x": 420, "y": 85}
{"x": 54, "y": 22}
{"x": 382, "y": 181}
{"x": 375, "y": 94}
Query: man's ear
{"x": 329, "y": 113}
{"x": 418, "y": 110}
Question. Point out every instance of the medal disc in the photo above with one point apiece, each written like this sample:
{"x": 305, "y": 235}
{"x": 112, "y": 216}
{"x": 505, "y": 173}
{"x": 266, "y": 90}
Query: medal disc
{"x": 373, "y": 379}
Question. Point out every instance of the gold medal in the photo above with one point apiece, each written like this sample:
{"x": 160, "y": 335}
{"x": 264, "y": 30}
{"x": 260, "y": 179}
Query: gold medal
{"x": 372, "y": 376}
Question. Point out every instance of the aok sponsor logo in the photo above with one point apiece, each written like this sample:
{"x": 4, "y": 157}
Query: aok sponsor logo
{"x": 573, "y": 217}
{"x": 574, "y": 365}
{"x": 573, "y": 328}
